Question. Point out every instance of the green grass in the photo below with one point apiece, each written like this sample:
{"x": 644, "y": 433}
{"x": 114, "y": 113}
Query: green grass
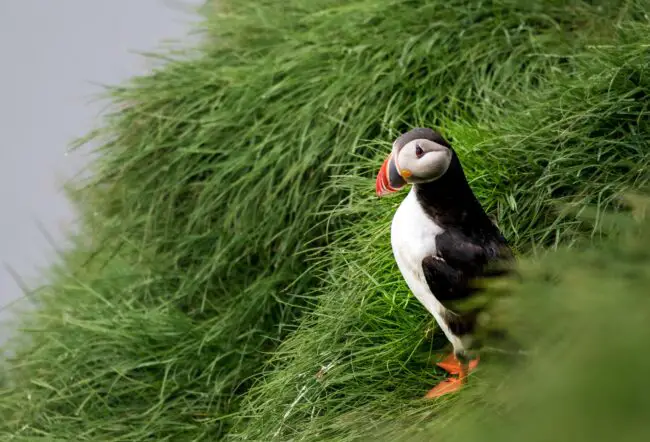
{"x": 232, "y": 246}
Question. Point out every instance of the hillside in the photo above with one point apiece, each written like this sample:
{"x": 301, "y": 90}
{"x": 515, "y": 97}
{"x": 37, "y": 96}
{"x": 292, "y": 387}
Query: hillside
{"x": 232, "y": 247}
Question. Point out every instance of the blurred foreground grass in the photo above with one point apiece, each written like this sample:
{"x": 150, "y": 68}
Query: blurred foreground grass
{"x": 232, "y": 248}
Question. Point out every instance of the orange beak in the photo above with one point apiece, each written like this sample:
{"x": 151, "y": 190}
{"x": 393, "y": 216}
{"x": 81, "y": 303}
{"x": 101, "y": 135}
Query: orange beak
{"x": 389, "y": 179}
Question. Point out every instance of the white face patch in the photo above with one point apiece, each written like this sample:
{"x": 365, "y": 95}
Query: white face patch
{"x": 422, "y": 160}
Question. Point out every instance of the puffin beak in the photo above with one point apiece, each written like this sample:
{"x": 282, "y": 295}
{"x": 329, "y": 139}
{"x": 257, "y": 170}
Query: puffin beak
{"x": 389, "y": 179}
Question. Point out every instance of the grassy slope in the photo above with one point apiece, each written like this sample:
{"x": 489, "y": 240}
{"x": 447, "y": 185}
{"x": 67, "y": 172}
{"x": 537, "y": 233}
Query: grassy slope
{"x": 212, "y": 187}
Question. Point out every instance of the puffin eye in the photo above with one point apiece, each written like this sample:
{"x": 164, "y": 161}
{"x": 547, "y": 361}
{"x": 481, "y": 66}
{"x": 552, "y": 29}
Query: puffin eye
{"x": 418, "y": 151}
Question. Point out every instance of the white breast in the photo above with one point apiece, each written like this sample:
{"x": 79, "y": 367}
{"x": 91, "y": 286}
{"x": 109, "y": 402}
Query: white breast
{"x": 413, "y": 237}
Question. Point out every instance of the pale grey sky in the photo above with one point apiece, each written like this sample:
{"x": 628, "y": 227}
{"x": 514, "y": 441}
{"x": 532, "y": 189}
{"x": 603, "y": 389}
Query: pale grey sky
{"x": 54, "y": 53}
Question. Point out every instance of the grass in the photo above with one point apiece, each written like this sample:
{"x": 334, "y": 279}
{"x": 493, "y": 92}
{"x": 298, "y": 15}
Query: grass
{"x": 231, "y": 246}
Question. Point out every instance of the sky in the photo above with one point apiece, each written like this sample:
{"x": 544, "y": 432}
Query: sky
{"x": 56, "y": 54}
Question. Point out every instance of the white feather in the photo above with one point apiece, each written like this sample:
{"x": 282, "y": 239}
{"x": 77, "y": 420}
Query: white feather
{"x": 413, "y": 237}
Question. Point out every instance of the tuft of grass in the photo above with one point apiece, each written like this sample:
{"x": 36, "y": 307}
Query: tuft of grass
{"x": 578, "y": 142}
{"x": 219, "y": 210}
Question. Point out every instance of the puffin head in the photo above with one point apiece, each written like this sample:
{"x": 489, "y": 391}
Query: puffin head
{"x": 419, "y": 156}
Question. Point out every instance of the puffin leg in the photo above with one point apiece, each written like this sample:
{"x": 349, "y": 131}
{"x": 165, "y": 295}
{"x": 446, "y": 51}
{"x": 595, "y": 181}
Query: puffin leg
{"x": 452, "y": 365}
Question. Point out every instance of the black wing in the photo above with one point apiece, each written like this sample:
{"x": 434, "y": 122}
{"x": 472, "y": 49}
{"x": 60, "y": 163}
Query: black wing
{"x": 450, "y": 285}
{"x": 473, "y": 254}
{"x": 447, "y": 283}
{"x": 460, "y": 260}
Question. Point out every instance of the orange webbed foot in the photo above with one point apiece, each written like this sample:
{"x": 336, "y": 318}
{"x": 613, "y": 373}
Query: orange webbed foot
{"x": 454, "y": 367}
{"x": 447, "y": 386}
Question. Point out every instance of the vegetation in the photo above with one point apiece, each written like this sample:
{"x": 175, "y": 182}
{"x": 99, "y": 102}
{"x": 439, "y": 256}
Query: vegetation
{"x": 234, "y": 280}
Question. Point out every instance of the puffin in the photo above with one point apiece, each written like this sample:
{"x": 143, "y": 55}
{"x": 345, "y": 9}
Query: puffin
{"x": 443, "y": 243}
